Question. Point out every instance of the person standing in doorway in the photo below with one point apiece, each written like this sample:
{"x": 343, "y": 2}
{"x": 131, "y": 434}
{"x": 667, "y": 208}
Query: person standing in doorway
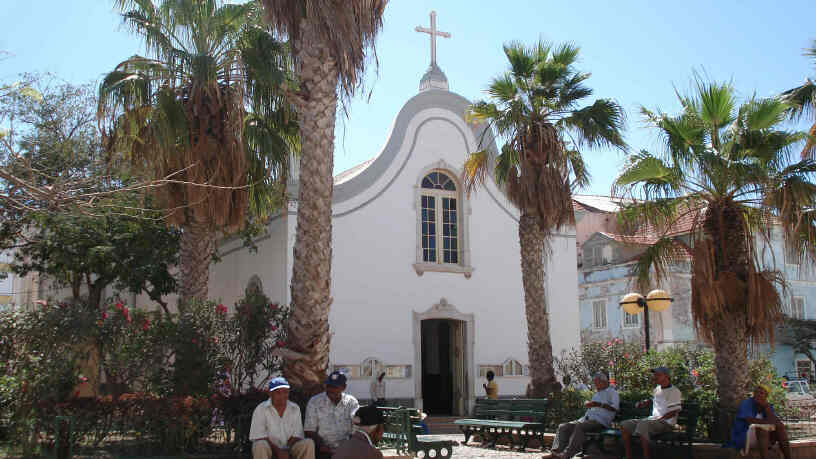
{"x": 491, "y": 388}
{"x": 377, "y": 390}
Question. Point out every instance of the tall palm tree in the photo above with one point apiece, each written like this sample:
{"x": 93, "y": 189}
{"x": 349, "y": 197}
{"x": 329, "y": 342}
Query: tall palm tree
{"x": 330, "y": 40}
{"x": 802, "y": 101}
{"x": 729, "y": 165}
{"x": 534, "y": 107}
{"x": 206, "y": 113}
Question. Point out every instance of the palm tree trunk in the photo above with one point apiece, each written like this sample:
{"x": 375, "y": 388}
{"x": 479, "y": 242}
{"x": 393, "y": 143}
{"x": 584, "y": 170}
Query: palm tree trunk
{"x": 308, "y": 324}
{"x": 195, "y": 254}
{"x": 539, "y": 346}
{"x": 731, "y": 367}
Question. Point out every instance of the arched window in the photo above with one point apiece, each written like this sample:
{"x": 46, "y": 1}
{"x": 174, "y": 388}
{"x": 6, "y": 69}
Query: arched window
{"x": 440, "y": 219}
{"x": 371, "y": 368}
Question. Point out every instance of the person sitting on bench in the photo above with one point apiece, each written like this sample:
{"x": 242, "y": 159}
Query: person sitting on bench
{"x": 666, "y": 404}
{"x": 602, "y": 408}
{"x": 768, "y": 428}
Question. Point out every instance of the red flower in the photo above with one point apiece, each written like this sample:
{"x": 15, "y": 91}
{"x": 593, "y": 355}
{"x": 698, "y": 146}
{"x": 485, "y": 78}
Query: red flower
{"x": 273, "y": 306}
{"x": 119, "y": 306}
{"x": 194, "y": 341}
{"x": 273, "y": 328}
{"x": 221, "y": 309}
{"x": 214, "y": 340}
{"x": 280, "y": 343}
{"x": 104, "y": 315}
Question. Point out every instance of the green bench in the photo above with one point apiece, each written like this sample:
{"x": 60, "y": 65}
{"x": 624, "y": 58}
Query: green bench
{"x": 403, "y": 434}
{"x": 522, "y": 419}
{"x": 681, "y": 437}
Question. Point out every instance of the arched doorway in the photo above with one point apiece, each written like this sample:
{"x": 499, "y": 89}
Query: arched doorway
{"x": 443, "y": 346}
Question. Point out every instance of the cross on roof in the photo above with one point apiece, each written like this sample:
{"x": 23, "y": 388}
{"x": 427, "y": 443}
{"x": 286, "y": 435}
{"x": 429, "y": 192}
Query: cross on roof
{"x": 433, "y": 33}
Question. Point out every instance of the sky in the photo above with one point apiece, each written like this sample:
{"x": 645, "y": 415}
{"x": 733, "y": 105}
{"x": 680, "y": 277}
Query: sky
{"x": 638, "y": 52}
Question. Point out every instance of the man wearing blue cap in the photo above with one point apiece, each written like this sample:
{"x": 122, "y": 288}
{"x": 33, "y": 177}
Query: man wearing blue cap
{"x": 276, "y": 431}
{"x": 666, "y": 404}
{"x": 329, "y": 416}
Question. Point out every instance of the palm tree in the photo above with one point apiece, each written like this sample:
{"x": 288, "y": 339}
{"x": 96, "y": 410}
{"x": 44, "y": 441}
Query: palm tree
{"x": 730, "y": 167}
{"x": 802, "y": 101}
{"x": 205, "y": 115}
{"x": 535, "y": 108}
{"x": 329, "y": 40}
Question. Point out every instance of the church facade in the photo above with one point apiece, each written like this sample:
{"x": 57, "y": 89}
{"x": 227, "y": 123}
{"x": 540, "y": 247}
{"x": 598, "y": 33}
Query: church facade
{"x": 426, "y": 280}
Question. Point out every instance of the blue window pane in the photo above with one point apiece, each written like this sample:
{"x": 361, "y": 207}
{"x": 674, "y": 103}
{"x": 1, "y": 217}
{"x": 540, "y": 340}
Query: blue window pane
{"x": 453, "y": 244}
{"x": 424, "y": 214}
{"x": 434, "y": 178}
{"x": 445, "y": 217}
{"x": 432, "y": 229}
{"x": 446, "y": 230}
{"x": 452, "y": 204}
{"x": 453, "y": 217}
{"x": 426, "y": 255}
{"x": 432, "y": 242}
{"x": 445, "y": 203}
{"x": 431, "y": 201}
{"x": 446, "y": 256}
{"x": 432, "y": 255}
{"x": 453, "y": 230}
{"x": 424, "y": 227}
{"x": 454, "y": 257}
{"x": 426, "y": 183}
{"x": 450, "y": 186}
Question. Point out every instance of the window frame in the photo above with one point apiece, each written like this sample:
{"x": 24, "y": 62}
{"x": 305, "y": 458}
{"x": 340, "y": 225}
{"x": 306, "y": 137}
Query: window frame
{"x": 463, "y": 211}
{"x": 630, "y": 326}
{"x": 595, "y": 315}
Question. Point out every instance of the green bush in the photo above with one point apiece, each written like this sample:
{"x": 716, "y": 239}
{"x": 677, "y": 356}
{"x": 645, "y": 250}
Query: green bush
{"x": 692, "y": 369}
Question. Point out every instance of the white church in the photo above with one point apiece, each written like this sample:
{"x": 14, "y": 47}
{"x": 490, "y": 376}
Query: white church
{"x": 426, "y": 280}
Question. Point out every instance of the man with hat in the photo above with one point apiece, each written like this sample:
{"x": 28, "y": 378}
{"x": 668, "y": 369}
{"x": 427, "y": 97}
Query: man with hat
{"x": 276, "y": 431}
{"x": 329, "y": 416}
{"x": 368, "y": 430}
{"x": 569, "y": 439}
{"x": 767, "y": 428}
{"x": 666, "y": 403}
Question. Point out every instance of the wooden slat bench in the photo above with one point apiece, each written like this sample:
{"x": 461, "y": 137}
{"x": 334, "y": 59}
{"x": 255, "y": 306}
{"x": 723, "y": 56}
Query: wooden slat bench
{"x": 681, "y": 437}
{"x": 522, "y": 419}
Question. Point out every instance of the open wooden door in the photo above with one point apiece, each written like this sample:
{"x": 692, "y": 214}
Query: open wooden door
{"x": 459, "y": 366}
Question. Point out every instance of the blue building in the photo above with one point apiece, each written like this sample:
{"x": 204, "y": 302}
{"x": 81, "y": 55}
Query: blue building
{"x": 605, "y": 260}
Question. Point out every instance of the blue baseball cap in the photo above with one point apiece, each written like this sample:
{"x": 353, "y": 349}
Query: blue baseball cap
{"x": 663, "y": 370}
{"x": 336, "y": 379}
{"x": 278, "y": 383}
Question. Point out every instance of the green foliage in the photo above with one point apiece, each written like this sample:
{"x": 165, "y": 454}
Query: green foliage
{"x": 629, "y": 369}
{"x": 164, "y": 373}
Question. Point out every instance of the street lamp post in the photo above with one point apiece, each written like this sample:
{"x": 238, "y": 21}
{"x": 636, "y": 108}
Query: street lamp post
{"x": 656, "y": 300}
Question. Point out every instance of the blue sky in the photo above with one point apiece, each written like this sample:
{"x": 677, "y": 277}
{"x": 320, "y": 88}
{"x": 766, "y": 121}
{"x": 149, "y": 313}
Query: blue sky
{"x": 637, "y": 52}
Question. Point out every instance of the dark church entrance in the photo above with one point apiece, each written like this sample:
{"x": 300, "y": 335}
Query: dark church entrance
{"x": 443, "y": 367}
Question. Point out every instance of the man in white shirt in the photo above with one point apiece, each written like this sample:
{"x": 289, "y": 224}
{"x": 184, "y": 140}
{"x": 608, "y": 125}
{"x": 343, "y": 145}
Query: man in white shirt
{"x": 329, "y": 416}
{"x": 276, "y": 431}
{"x": 602, "y": 408}
{"x": 666, "y": 405}
{"x": 377, "y": 390}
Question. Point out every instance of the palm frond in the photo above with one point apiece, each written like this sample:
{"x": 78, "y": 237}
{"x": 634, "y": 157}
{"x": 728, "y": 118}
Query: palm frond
{"x": 598, "y": 125}
{"x": 654, "y": 262}
{"x": 475, "y": 170}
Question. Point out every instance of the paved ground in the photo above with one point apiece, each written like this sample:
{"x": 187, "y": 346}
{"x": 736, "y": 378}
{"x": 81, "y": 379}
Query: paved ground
{"x": 473, "y": 450}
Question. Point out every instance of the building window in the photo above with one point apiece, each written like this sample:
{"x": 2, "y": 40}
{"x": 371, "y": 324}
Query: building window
{"x": 512, "y": 368}
{"x": 440, "y": 219}
{"x": 804, "y": 369}
{"x": 599, "y": 314}
{"x": 441, "y": 223}
{"x": 796, "y": 308}
{"x": 594, "y": 256}
{"x": 630, "y": 320}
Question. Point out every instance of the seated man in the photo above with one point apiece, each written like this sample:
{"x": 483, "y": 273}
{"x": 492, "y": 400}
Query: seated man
{"x": 602, "y": 408}
{"x": 328, "y": 416}
{"x": 368, "y": 430}
{"x": 276, "y": 431}
{"x": 666, "y": 405}
{"x": 757, "y": 410}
